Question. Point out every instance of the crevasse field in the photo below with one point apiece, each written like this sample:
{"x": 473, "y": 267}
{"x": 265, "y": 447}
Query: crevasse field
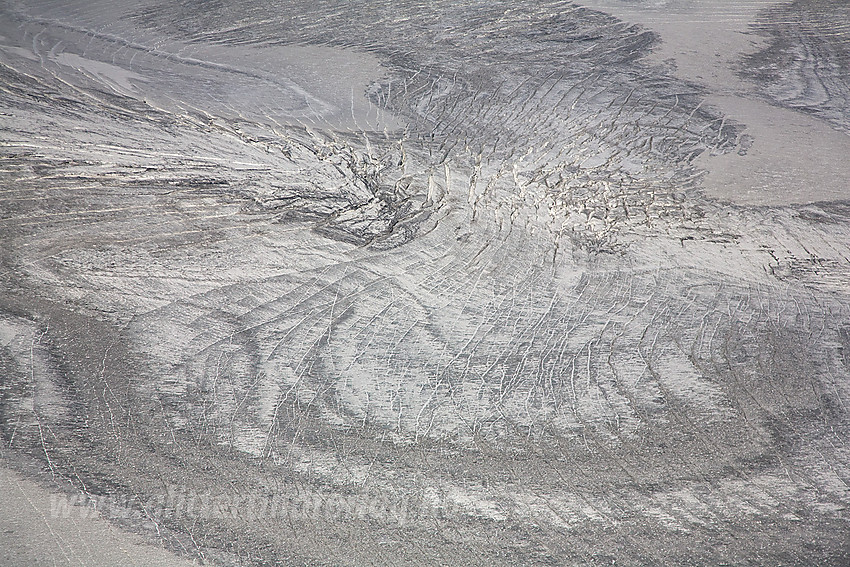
{"x": 373, "y": 283}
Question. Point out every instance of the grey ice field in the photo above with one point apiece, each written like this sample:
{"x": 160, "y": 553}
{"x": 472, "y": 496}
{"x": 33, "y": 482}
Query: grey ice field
{"x": 445, "y": 283}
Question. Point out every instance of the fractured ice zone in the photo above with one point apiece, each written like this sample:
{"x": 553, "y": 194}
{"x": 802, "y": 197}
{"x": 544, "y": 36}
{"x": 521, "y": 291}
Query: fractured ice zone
{"x": 445, "y": 283}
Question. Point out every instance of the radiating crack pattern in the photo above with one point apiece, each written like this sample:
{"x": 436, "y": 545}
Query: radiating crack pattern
{"x": 422, "y": 284}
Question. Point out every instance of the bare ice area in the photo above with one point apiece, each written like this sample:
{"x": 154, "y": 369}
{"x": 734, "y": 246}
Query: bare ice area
{"x": 445, "y": 283}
